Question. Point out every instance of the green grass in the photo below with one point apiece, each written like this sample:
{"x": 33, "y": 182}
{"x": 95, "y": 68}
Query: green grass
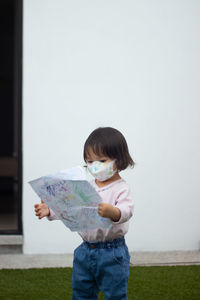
{"x": 157, "y": 283}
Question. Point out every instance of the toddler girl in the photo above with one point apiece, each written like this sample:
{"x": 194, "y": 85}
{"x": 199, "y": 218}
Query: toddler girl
{"x": 101, "y": 262}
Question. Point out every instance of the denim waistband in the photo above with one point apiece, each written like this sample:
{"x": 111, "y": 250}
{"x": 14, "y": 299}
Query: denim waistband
{"x": 106, "y": 244}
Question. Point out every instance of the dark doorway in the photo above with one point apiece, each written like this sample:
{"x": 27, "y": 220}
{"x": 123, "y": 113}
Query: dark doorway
{"x": 10, "y": 116}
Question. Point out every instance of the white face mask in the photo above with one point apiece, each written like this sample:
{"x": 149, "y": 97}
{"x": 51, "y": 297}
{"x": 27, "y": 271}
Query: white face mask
{"x": 102, "y": 170}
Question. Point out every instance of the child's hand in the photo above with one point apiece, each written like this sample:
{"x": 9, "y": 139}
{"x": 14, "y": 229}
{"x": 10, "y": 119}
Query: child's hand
{"x": 41, "y": 210}
{"x": 109, "y": 211}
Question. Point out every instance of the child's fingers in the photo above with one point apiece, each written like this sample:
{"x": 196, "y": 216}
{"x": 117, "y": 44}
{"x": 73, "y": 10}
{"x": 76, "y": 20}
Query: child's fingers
{"x": 41, "y": 216}
{"x": 37, "y": 206}
{"x": 37, "y": 209}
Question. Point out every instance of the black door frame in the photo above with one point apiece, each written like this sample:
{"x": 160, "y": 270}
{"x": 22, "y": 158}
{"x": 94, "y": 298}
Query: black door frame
{"x": 18, "y": 36}
{"x": 18, "y": 82}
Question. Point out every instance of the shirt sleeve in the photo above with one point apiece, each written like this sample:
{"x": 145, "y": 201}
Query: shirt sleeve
{"x": 52, "y": 216}
{"x": 124, "y": 202}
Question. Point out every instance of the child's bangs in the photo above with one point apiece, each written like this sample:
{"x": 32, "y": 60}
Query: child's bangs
{"x": 97, "y": 149}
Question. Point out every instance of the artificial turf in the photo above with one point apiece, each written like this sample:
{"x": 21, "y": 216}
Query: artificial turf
{"x": 145, "y": 283}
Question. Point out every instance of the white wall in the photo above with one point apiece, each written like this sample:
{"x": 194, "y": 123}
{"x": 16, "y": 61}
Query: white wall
{"x": 133, "y": 65}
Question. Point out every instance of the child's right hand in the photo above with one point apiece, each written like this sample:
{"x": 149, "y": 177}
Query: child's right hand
{"x": 41, "y": 210}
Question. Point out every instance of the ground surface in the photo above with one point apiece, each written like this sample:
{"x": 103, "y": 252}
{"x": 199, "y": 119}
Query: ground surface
{"x": 145, "y": 283}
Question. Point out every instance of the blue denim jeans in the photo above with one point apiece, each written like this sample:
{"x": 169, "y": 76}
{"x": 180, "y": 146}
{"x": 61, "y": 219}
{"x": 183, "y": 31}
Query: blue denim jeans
{"x": 101, "y": 266}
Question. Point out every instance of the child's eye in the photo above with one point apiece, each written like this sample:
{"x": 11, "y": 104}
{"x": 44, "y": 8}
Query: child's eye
{"x": 102, "y": 160}
{"x": 90, "y": 161}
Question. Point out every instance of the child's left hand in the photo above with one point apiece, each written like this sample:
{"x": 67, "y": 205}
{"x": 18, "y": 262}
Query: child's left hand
{"x": 109, "y": 211}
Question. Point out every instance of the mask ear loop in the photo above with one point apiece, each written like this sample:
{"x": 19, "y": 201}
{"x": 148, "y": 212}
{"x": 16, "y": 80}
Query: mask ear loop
{"x": 115, "y": 161}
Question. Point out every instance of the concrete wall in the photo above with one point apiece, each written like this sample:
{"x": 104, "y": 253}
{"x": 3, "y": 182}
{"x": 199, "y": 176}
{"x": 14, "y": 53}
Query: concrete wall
{"x": 133, "y": 65}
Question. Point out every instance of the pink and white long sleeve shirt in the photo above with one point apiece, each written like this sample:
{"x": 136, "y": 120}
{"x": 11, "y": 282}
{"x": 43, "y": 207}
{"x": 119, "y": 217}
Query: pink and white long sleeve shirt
{"x": 118, "y": 194}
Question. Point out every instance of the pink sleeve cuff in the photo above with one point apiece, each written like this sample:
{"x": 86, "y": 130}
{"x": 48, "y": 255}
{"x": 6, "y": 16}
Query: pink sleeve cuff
{"x": 52, "y": 216}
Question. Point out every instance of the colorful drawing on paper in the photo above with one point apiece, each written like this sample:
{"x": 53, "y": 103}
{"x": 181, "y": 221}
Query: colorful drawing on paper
{"x": 72, "y": 198}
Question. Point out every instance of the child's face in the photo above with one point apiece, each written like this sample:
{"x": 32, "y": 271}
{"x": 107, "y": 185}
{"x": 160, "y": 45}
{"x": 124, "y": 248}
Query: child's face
{"x": 101, "y": 167}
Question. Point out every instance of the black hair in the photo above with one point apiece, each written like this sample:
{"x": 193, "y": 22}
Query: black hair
{"x": 110, "y": 142}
